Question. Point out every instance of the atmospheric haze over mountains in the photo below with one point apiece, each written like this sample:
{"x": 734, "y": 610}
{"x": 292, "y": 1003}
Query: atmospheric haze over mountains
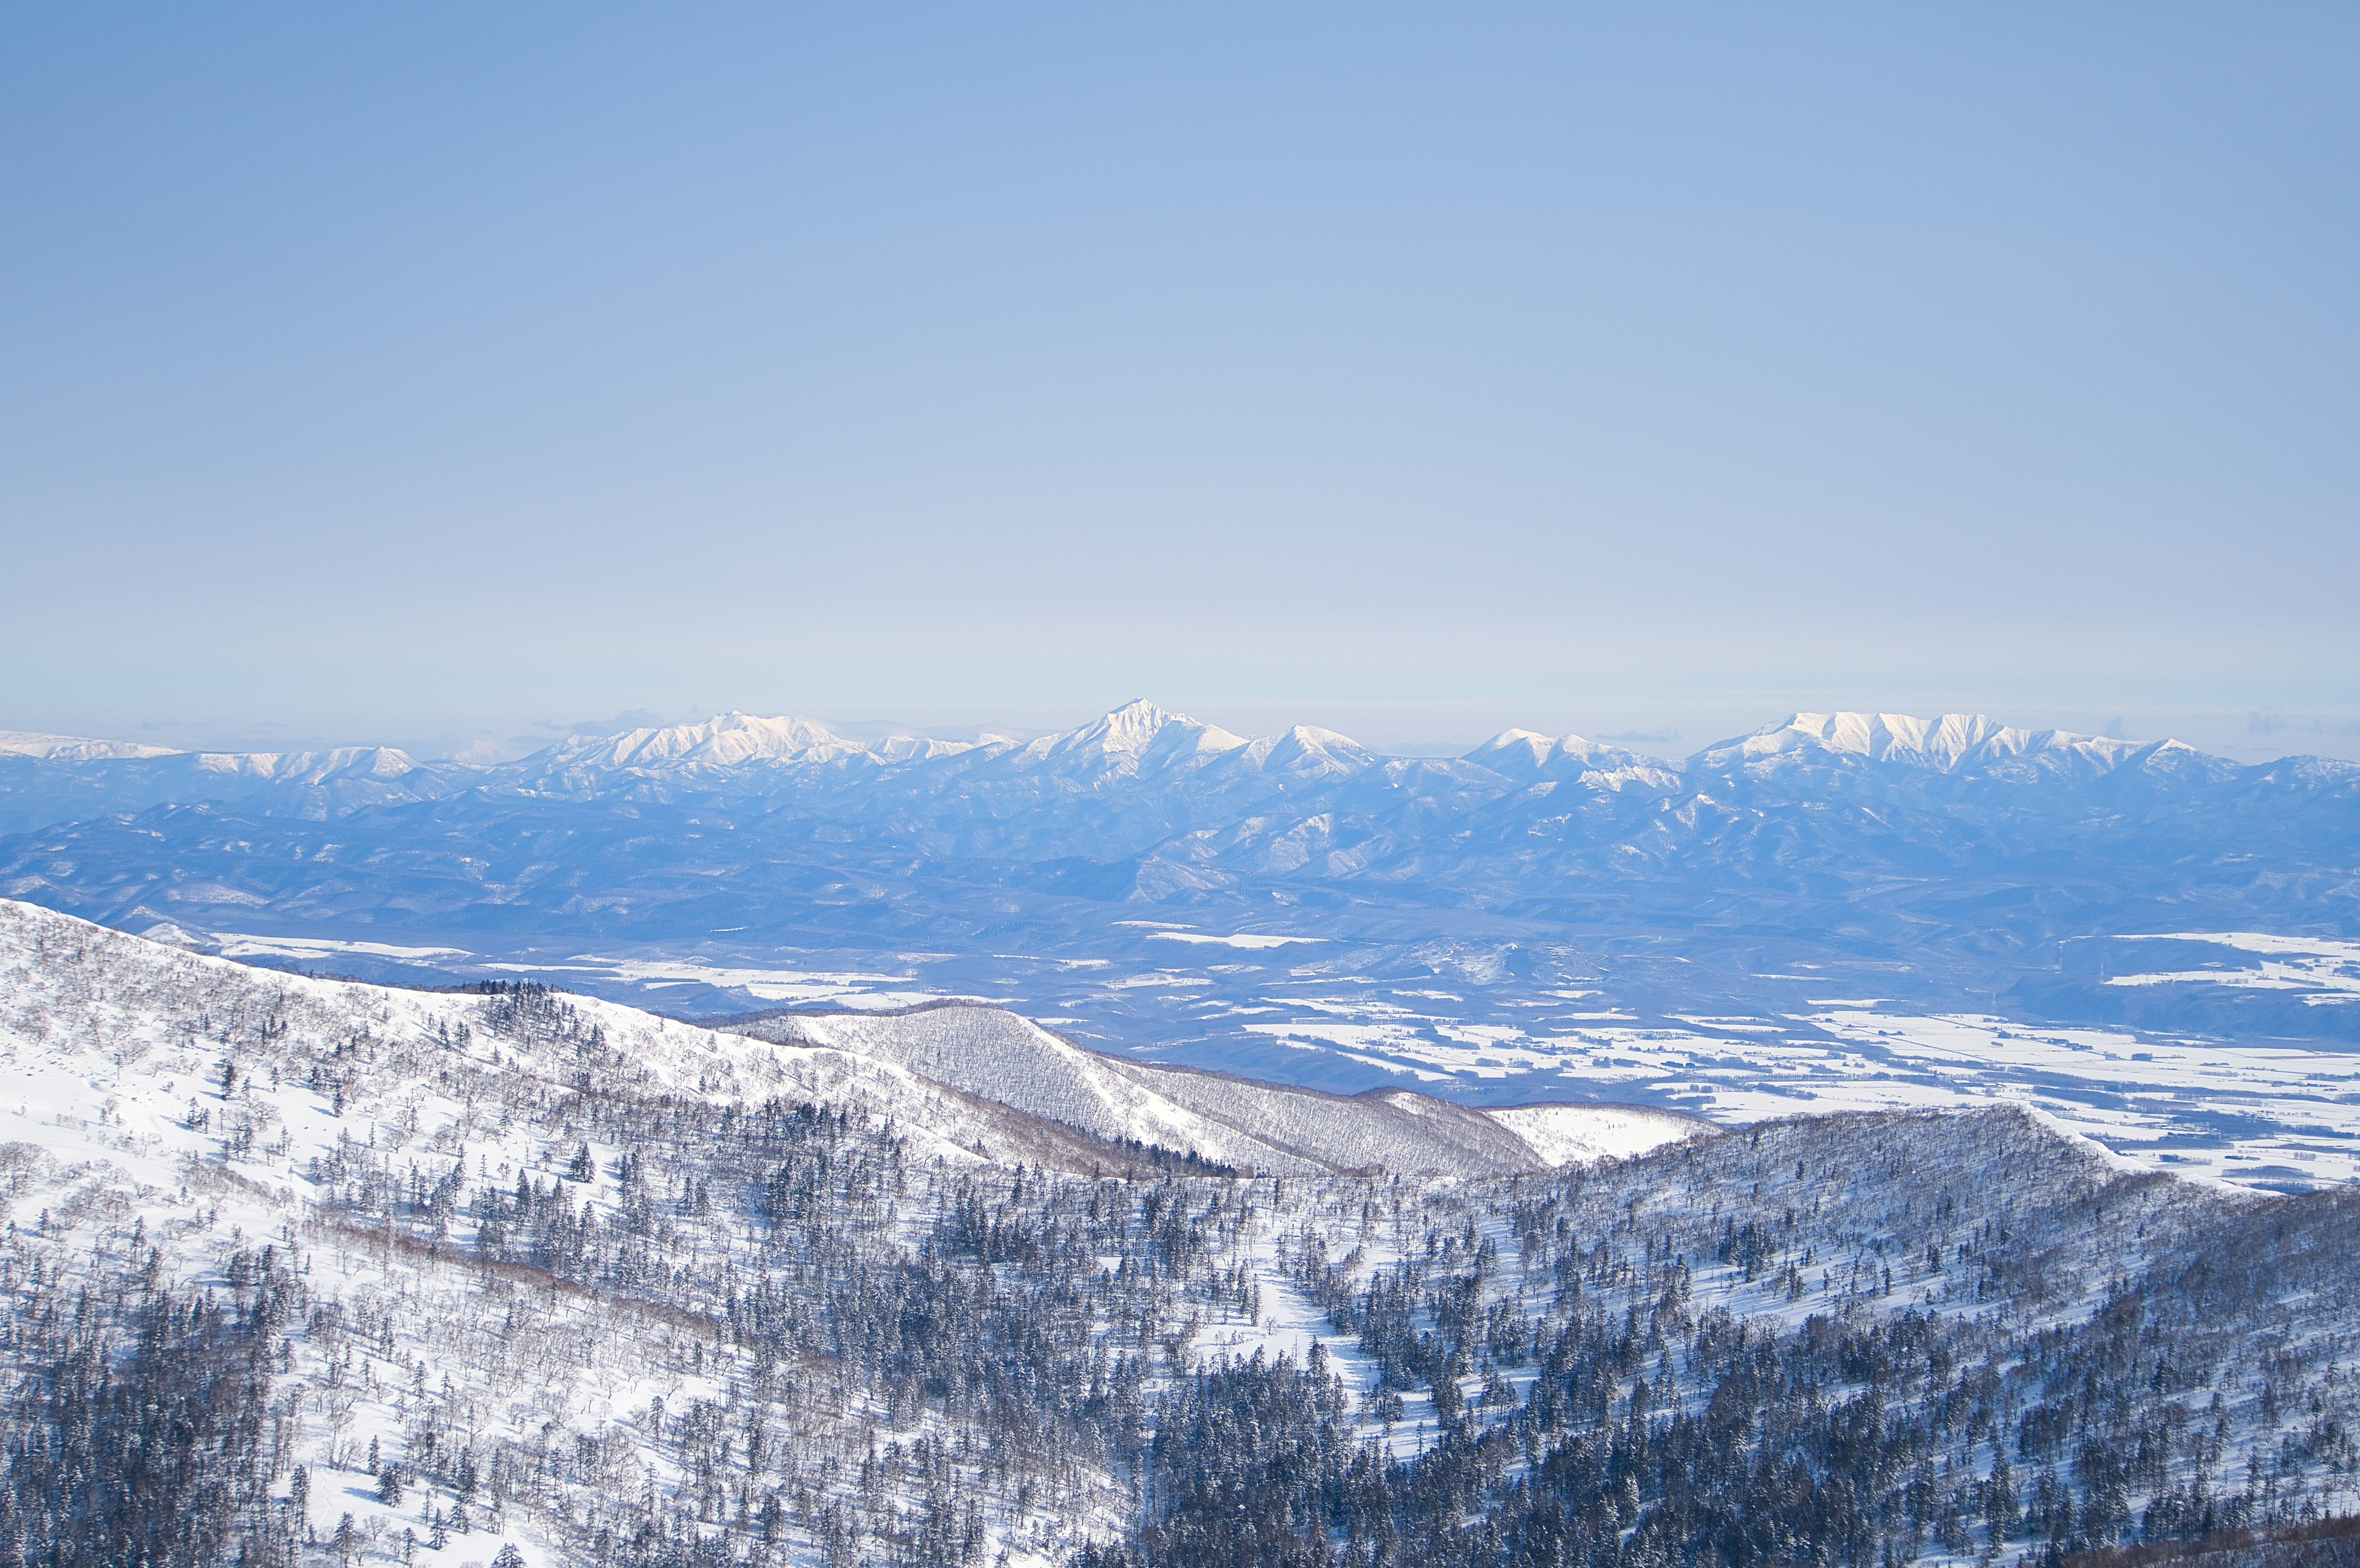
{"x": 990, "y": 1125}
{"x": 1869, "y": 1140}
{"x": 1838, "y": 909}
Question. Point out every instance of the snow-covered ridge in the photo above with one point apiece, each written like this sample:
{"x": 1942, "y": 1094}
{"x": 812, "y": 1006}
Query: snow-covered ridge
{"x": 1575, "y": 1135}
{"x": 1233, "y": 1121}
{"x": 73, "y": 749}
{"x": 280, "y": 767}
{"x": 343, "y": 762}
{"x": 725, "y": 740}
{"x": 1143, "y": 741}
{"x": 961, "y": 1076}
{"x": 1949, "y": 743}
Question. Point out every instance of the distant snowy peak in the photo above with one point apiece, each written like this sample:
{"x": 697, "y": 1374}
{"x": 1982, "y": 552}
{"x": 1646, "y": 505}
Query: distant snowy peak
{"x": 75, "y": 748}
{"x": 1529, "y": 757}
{"x": 340, "y": 764}
{"x": 1308, "y": 751}
{"x": 1140, "y": 734}
{"x": 1951, "y": 743}
{"x": 921, "y": 748}
{"x": 379, "y": 762}
{"x": 725, "y": 740}
{"x": 1939, "y": 742}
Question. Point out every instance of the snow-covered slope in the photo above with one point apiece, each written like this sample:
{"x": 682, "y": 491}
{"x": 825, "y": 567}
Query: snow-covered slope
{"x": 99, "y": 1019}
{"x": 1950, "y": 743}
{"x": 75, "y": 997}
{"x": 180, "y": 1123}
{"x": 1570, "y": 1134}
{"x": 1237, "y": 1122}
{"x": 528, "y": 1277}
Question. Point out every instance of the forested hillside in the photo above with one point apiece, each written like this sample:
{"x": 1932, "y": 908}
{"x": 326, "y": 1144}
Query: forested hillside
{"x": 305, "y": 1272}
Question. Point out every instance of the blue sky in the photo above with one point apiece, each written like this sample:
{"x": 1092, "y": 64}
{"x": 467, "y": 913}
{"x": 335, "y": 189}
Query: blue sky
{"x": 447, "y": 374}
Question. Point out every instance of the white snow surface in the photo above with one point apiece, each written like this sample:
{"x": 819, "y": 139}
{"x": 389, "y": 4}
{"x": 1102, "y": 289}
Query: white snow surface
{"x": 2326, "y": 970}
{"x": 1567, "y": 1135}
{"x": 1234, "y": 1121}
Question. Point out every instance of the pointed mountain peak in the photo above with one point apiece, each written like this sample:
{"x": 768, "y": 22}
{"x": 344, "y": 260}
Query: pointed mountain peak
{"x": 1139, "y": 727}
{"x": 1309, "y": 751}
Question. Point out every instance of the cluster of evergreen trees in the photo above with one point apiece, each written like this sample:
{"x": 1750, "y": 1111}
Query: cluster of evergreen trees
{"x": 135, "y": 1429}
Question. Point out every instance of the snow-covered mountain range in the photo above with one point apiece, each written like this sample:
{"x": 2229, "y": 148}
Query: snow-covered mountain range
{"x": 1294, "y": 906}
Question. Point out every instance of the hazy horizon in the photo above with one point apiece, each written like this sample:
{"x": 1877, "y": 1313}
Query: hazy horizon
{"x": 442, "y": 376}
{"x": 2249, "y": 737}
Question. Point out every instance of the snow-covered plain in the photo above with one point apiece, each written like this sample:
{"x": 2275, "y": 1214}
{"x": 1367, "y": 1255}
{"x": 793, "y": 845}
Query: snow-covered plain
{"x": 2326, "y": 971}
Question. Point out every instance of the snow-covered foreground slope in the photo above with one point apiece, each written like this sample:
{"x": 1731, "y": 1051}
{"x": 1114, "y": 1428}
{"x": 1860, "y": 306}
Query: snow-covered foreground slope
{"x": 174, "y": 1121}
{"x": 1232, "y": 1121}
{"x": 414, "y": 1276}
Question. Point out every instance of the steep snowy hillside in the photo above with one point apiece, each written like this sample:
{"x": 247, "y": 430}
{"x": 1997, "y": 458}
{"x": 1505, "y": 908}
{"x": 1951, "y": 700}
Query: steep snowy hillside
{"x": 521, "y": 1277}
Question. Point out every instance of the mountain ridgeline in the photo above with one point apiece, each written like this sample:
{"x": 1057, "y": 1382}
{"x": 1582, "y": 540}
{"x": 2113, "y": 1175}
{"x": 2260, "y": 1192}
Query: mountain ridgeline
{"x": 311, "y": 1271}
{"x": 1946, "y": 863}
